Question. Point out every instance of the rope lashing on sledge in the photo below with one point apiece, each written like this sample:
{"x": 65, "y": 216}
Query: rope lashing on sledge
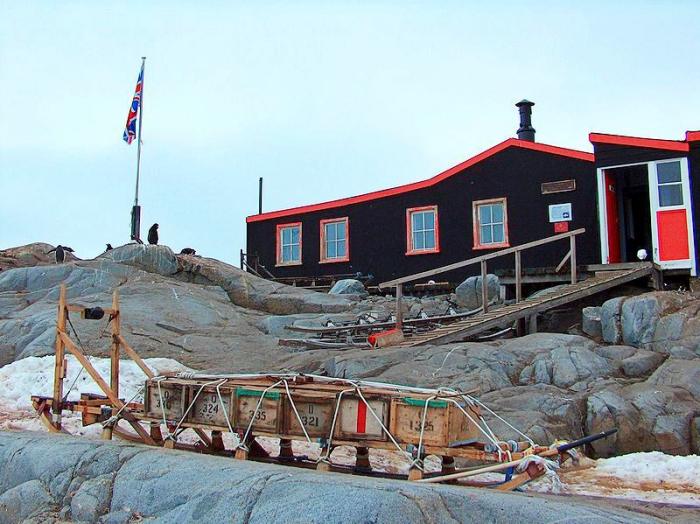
{"x": 242, "y": 442}
{"x": 111, "y": 421}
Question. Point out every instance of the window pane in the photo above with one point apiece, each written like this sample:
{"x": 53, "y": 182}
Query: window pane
{"x": 417, "y": 221}
{"x": 340, "y": 249}
{"x": 418, "y": 240}
{"x": 429, "y": 220}
{"x": 484, "y": 215}
{"x": 670, "y": 195}
{"x": 286, "y": 235}
{"x": 497, "y": 212}
{"x": 330, "y": 250}
{"x": 330, "y": 232}
{"x": 286, "y": 253}
{"x": 429, "y": 239}
{"x": 669, "y": 172}
{"x": 486, "y": 237}
{"x": 498, "y": 235}
{"x": 340, "y": 231}
{"x": 295, "y": 253}
{"x": 295, "y": 235}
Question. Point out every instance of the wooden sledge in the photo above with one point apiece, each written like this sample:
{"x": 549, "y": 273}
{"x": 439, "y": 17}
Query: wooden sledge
{"x": 326, "y": 412}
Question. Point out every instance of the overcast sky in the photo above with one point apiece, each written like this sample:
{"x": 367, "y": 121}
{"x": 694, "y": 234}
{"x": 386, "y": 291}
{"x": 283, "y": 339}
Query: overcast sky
{"x": 322, "y": 99}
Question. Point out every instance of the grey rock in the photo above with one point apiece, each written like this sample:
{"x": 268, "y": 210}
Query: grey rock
{"x": 695, "y": 435}
{"x": 24, "y": 501}
{"x": 468, "y": 293}
{"x": 642, "y": 363}
{"x": 639, "y": 317}
{"x": 92, "y": 498}
{"x": 151, "y": 258}
{"x": 175, "y": 486}
{"x": 349, "y": 286}
{"x": 590, "y": 321}
{"x": 610, "y": 314}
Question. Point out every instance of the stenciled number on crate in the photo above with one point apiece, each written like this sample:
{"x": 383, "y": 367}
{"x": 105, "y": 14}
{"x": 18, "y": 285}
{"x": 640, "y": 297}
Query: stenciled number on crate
{"x": 415, "y": 425}
{"x": 163, "y": 400}
{"x": 259, "y": 415}
{"x": 263, "y": 416}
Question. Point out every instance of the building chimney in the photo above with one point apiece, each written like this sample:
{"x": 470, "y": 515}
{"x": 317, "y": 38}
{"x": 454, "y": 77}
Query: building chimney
{"x": 525, "y": 131}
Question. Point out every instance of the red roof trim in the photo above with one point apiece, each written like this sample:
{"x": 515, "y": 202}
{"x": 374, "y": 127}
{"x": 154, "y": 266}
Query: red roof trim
{"x": 634, "y": 141}
{"x": 383, "y": 193}
{"x": 692, "y": 136}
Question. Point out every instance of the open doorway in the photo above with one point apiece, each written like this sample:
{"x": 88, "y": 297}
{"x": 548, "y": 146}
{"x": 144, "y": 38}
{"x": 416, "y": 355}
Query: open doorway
{"x": 628, "y": 213}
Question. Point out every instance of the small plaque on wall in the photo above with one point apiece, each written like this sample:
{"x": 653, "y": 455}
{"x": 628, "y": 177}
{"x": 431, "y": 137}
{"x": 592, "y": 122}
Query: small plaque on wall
{"x": 561, "y": 227}
{"x": 560, "y": 186}
{"x": 560, "y": 213}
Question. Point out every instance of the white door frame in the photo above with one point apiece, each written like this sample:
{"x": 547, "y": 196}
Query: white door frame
{"x": 654, "y": 207}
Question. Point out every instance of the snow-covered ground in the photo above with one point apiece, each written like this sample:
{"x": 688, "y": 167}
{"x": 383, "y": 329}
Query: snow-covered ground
{"x": 652, "y": 477}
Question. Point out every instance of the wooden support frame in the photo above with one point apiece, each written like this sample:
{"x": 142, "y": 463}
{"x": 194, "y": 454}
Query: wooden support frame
{"x": 111, "y": 390}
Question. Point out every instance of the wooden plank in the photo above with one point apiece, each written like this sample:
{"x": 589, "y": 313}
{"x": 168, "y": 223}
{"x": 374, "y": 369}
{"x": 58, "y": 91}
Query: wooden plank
{"x": 569, "y": 294}
{"x": 399, "y": 308}
{"x": 135, "y": 357}
{"x": 59, "y": 371}
{"x": 574, "y": 274}
{"x": 476, "y": 260}
{"x": 484, "y": 288}
{"x": 563, "y": 261}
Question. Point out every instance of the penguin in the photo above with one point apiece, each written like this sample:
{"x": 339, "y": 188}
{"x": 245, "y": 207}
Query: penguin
{"x": 153, "y": 234}
{"x": 109, "y": 248}
{"x": 60, "y": 253}
{"x": 187, "y": 251}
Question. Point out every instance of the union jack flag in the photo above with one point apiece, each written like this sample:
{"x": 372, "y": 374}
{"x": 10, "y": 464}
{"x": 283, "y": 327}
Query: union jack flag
{"x": 130, "y": 131}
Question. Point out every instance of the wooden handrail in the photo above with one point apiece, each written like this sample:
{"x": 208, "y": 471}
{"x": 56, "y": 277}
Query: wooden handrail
{"x": 477, "y": 260}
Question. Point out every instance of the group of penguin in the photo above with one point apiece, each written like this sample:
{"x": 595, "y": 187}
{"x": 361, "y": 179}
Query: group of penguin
{"x": 152, "y": 239}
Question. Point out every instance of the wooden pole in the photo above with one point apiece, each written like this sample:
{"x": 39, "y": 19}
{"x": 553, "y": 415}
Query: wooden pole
{"x": 518, "y": 277}
{"x": 135, "y": 357}
{"x": 59, "y": 371}
{"x": 574, "y": 275}
{"x": 114, "y": 353}
{"x": 484, "y": 288}
{"x": 399, "y": 309}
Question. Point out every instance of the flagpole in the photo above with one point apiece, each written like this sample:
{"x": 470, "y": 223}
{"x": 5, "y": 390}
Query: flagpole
{"x": 136, "y": 210}
{"x": 138, "y": 153}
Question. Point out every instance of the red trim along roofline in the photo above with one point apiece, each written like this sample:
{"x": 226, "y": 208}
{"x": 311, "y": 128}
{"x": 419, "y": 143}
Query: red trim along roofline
{"x": 383, "y": 193}
{"x": 635, "y": 141}
{"x": 692, "y": 136}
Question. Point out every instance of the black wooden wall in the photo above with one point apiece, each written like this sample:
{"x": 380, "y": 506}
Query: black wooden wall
{"x": 378, "y": 228}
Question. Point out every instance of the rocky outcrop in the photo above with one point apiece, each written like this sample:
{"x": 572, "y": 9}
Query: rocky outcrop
{"x": 247, "y": 290}
{"x": 35, "y": 254}
{"x": 665, "y": 322}
{"x": 56, "y": 479}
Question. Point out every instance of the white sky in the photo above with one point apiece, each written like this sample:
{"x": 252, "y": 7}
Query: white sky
{"x": 322, "y": 99}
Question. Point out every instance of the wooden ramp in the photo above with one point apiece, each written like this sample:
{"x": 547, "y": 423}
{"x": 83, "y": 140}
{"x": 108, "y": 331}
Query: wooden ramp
{"x": 481, "y": 322}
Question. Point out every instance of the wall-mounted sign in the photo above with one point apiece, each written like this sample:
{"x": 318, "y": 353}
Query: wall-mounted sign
{"x": 560, "y": 186}
{"x": 560, "y": 213}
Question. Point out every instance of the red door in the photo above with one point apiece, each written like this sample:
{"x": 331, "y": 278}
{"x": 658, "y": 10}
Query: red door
{"x": 612, "y": 219}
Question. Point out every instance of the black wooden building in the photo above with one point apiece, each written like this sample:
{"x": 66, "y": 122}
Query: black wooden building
{"x": 515, "y": 192}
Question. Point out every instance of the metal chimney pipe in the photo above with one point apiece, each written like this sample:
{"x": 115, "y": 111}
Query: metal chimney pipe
{"x": 525, "y": 131}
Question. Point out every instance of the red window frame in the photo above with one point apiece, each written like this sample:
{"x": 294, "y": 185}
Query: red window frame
{"x": 322, "y": 225}
{"x": 410, "y": 250}
{"x": 278, "y": 244}
{"x": 475, "y": 224}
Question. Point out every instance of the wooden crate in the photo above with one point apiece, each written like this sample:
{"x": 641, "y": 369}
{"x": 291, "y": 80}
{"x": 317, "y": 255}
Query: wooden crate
{"x": 315, "y": 411}
{"x": 355, "y": 421}
{"x": 444, "y": 422}
{"x": 207, "y": 409}
{"x": 267, "y": 418}
{"x": 174, "y": 400}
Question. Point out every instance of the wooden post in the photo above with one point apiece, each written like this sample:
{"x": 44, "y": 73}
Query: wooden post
{"x": 106, "y": 433}
{"x": 448, "y": 465}
{"x": 574, "y": 275}
{"x": 399, "y": 309}
{"x": 286, "y": 452}
{"x": 59, "y": 367}
{"x": 484, "y": 288}
{"x": 135, "y": 357}
{"x": 532, "y": 324}
{"x": 415, "y": 474}
{"x": 114, "y": 353}
{"x": 518, "y": 277}
{"x": 362, "y": 464}
{"x": 217, "y": 441}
